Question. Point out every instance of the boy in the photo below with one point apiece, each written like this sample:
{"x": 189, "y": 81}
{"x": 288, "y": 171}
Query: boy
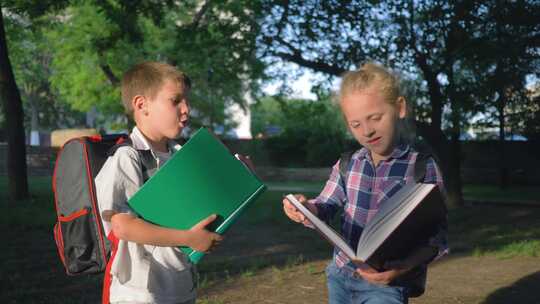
{"x": 146, "y": 265}
{"x": 375, "y": 110}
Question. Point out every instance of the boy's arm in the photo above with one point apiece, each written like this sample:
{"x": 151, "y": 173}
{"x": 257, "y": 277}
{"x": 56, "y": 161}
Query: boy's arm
{"x": 130, "y": 228}
{"x": 118, "y": 180}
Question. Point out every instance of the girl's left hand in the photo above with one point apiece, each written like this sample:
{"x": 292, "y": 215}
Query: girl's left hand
{"x": 380, "y": 278}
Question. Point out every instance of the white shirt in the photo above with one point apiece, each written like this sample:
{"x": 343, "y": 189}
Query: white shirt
{"x": 141, "y": 273}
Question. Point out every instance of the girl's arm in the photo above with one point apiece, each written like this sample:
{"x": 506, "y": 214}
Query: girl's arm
{"x": 332, "y": 197}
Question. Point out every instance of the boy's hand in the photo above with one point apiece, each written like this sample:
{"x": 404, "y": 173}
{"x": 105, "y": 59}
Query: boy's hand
{"x": 201, "y": 239}
{"x": 381, "y": 278}
{"x": 296, "y": 215}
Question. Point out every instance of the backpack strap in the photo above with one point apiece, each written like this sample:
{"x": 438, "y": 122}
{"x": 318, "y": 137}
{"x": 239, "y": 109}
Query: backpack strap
{"x": 344, "y": 161}
{"x": 148, "y": 163}
{"x": 420, "y": 166}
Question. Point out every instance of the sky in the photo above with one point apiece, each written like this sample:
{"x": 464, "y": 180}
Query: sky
{"x": 301, "y": 87}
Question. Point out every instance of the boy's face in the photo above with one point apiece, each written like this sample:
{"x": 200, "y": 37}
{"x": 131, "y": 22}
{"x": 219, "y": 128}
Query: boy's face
{"x": 168, "y": 111}
{"x": 372, "y": 119}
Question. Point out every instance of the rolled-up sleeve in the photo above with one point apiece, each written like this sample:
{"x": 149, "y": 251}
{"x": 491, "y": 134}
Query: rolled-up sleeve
{"x": 332, "y": 197}
{"x": 119, "y": 178}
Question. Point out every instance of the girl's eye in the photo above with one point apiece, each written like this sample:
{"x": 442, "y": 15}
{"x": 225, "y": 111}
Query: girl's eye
{"x": 376, "y": 118}
{"x": 355, "y": 125}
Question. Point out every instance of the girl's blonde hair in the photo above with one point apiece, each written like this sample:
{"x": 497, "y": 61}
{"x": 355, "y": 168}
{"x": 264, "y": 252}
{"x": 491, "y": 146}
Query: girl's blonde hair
{"x": 389, "y": 83}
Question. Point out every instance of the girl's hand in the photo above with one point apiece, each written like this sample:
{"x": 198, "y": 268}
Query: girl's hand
{"x": 293, "y": 213}
{"x": 381, "y": 278}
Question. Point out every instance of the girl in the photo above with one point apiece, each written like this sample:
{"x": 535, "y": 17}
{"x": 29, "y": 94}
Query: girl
{"x": 374, "y": 110}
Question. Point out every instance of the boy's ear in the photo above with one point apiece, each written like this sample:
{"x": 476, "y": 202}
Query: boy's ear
{"x": 139, "y": 104}
{"x": 402, "y": 107}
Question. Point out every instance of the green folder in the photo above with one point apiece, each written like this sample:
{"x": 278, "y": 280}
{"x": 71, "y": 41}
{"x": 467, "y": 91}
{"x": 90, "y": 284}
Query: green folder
{"x": 200, "y": 179}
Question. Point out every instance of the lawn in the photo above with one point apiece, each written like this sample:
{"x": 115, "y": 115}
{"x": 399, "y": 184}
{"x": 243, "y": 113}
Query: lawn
{"x": 266, "y": 258}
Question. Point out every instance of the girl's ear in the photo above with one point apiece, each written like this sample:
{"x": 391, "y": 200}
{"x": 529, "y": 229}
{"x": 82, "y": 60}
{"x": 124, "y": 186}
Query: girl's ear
{"x": 139, "y": 104}
{"x": 401, "y": 104}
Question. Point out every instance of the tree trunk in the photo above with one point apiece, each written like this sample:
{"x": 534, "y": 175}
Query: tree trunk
{"x": 503, "y": 168}
{"x": 454, "y": 184}
{"x": 448, "y": 152}
{"x": 13, "y": 112}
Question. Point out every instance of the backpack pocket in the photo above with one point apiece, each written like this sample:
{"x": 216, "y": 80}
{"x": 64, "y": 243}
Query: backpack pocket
{"x": 74, "y": 234}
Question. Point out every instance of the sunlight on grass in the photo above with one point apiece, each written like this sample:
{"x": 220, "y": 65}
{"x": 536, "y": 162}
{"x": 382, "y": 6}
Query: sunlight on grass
{"x": 210, "y": 301}
{"x": 527, "y": 248}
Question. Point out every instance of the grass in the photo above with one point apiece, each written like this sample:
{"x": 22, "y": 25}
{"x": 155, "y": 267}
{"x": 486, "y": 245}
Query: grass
{"x": 517, "y": 248}
{"x": 496, "y": 194}
{"x": 37, "y": 211}
{"x": 263, "y": 239}
{"x": 495, "y": 230}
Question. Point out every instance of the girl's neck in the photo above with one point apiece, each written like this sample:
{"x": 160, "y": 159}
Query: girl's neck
{"x": 377, "y": 158}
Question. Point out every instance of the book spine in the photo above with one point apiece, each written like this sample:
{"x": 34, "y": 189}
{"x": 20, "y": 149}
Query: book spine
{"x": 196, "y": 256}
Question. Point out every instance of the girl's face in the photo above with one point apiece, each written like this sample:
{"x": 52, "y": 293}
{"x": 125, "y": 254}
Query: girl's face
{"x": 373, "y": 120}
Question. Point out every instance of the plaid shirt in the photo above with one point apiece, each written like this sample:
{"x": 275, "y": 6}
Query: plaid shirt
{"x": 367, "y": 187}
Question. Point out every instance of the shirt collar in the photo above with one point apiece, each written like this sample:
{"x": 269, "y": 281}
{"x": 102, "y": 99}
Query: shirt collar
{"x": 141, "y": 143}
{"x": 398, "y": 152}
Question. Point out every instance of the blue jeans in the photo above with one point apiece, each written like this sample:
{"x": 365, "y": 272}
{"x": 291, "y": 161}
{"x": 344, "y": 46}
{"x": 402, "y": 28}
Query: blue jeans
{"x": 344, "y": 288}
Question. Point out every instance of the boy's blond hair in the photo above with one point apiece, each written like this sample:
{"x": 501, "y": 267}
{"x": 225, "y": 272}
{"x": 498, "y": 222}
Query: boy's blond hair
{"x": 389, "y": 83}
{"x": 147, "y": 78}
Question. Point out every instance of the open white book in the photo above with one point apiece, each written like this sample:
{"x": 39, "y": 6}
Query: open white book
{"x": 403, "y": 222}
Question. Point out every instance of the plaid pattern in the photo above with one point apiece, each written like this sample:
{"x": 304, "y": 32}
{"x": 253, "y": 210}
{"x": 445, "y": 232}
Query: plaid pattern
{"x": 367, "y": 187}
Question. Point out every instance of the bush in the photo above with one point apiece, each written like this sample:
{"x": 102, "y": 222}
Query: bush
{"x": 312, "y": 133}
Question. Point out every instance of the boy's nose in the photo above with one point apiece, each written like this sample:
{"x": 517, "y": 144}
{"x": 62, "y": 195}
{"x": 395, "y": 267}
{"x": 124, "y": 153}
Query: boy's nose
{"x": 184, "y": 107}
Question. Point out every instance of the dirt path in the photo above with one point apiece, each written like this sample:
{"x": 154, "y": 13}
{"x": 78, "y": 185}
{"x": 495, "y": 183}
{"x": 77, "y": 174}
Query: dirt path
{"x": 454, "y": 280}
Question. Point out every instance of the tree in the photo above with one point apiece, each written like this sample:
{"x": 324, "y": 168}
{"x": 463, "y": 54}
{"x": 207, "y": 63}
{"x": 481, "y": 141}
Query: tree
{"x": 32, "y": 68}
{"x": 434, "y": 39}
{"x": 13, "y": 112}
{"x": 95, "y": 41}
{"x": 507, "y": 61}
{"x": 531, "y": 124}
{"x": 302, "y": 140}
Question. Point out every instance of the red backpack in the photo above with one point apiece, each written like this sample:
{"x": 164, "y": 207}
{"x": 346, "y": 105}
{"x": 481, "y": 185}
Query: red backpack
{"x": 81, "y": 241}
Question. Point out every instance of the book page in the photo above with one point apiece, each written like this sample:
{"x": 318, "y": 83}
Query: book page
{"x": 330, "y": 234}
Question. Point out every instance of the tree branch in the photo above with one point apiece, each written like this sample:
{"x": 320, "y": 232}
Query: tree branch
{"x": 199, "y": 15}
{"x": 110, "y": 75}
{"x": 318, "y": 66}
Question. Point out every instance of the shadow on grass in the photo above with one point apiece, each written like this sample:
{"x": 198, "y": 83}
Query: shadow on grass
{"x": 523, "y": 291}
{"x": 504, "y": 231}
